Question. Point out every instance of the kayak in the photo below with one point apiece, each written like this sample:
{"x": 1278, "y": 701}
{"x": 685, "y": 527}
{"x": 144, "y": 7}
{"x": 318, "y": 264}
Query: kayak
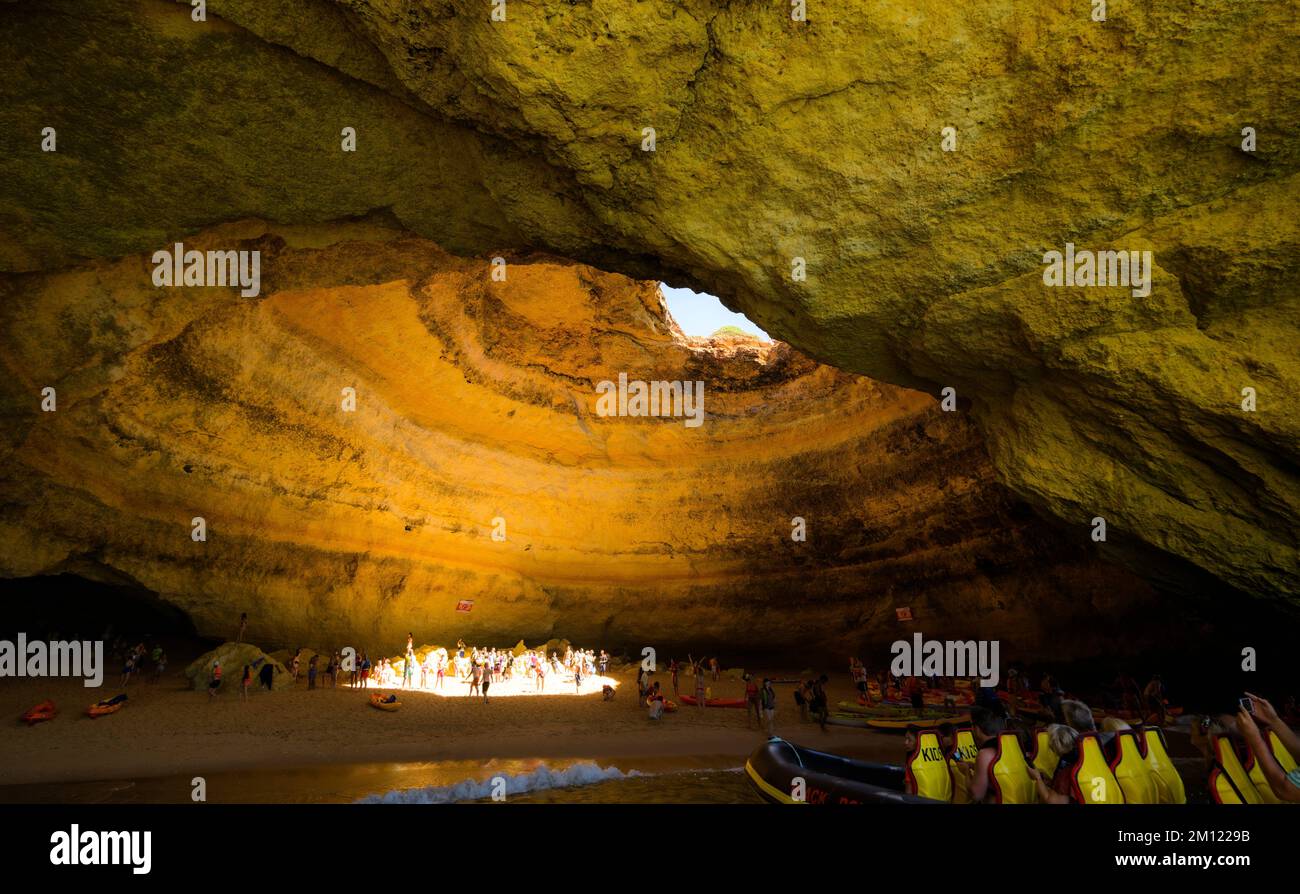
{"x": 876, "y": 710}
{"x": 843, "y": 719}
{"x": 714, "y": 702}
{"x": 107, "y": 706}
{"x": 42, "y": 712}
{"x": 376, "y": 701}
{"x": 783, "y": 773}
{"x": 915, "y": 720}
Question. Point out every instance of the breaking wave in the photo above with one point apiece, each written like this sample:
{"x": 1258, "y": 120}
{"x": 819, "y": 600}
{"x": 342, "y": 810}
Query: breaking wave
{"x": 474, "y": 790}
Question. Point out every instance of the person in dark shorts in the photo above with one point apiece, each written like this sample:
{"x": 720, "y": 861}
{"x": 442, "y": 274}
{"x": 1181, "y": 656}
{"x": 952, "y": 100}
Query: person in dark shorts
{"x": 819, "y": 702}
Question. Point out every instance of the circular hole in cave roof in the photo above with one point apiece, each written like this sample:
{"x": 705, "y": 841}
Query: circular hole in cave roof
{"x": 703, "y": 315}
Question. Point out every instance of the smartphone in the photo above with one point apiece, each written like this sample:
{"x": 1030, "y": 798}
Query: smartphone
{"x": 1247, "y": 705}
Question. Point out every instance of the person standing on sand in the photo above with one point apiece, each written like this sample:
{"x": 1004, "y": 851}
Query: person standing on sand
{"x": 699, "y": 683}
{"x": 266, "y": 676}
{"x": 858, "y": 670}
{"x": 713, "y": 666}
{"x": 214, "y": 681}
{"x": 673, "y": 669}
{"x": 768, "y": 700}
{"x": 819, "y": 700}
{"x": 475, "y": 677}
{"x": 246, "y": 682}
{"x": 577, "y": 678}
{"x": 243, "y": 626}
{"x": 408, "y": 668}
{"x": 128, "y": 668}
{"x": 487, "y": 681}
{"x": 752, "y": 702}
{"x": 440, "y": 675}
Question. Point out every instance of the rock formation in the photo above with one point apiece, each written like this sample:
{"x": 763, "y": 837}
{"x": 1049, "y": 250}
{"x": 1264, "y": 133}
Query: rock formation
{"x": 775, "y": 141}
{"x": 476, "y": 414}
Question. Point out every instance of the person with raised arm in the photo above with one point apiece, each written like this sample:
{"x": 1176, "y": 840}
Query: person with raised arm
{"x": 1285, "y": 786}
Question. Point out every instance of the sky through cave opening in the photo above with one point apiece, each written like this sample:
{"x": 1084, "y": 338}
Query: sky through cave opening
{"x": 701, "y": 314}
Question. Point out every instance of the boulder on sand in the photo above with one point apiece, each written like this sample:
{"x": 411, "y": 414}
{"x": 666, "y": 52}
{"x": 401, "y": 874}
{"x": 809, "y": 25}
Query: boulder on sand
{"x": 233, "y": 657}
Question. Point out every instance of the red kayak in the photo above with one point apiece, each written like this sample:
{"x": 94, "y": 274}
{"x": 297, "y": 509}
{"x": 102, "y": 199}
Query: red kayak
{"x": 715, "y": 702}
{"x": 44, "y": 711}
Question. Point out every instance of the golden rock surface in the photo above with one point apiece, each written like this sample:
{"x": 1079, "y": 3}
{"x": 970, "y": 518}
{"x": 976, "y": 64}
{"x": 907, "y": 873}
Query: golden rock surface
{"x": 476, "y": 400}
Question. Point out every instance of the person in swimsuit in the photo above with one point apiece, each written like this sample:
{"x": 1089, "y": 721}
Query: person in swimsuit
{"x": 214, "y": 682}
{"x": 699, "y": 682}
{"x": 246, "y": 682}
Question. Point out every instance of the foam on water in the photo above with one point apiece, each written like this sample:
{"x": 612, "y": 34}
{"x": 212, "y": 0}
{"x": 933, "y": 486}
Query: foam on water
{"x": 474, "y": 789}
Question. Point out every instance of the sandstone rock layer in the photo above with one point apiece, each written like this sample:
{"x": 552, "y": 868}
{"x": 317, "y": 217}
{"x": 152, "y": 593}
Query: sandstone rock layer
{"x": 476, "y": 400}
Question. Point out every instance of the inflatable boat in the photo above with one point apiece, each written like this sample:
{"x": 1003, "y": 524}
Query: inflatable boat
{"x": 379, "y": 701}
{"x": 42, "y": 712}
{"x": 107, "y": 706}
{"x": 775, "y": 768}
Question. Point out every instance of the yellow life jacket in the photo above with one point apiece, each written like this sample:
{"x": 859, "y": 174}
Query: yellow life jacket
{"x": 1229, "y": 782}
{"x": 1009, "y": 773}
{"x": 1169, "y": 785}
{"x": 1091, "y": 780}
{"x": 1044, "y": 758}
{"x": 963, "y": 751}
{"x": 1256, "y": 771}
{"x": 926, "y": 770}
{"x": 1131, "y": 770}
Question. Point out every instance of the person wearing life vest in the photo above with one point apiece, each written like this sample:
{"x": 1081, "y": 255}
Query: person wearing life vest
{"x": 1063, "y": 740}
{"x": 986, "y": 726}
{"x": 1285, "y": 786}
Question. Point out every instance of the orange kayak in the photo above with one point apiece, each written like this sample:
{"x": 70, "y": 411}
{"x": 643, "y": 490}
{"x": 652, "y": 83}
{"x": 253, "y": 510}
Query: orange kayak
{"x": 107, "y": 706}
{"x": 44, "y": 711}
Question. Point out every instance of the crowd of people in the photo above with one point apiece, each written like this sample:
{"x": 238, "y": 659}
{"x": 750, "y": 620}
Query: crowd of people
{"x": 478, "y": 668}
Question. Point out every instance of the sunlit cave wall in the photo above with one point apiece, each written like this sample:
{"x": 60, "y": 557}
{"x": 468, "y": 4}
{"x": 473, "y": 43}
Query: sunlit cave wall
{"x": 476, "y": 412}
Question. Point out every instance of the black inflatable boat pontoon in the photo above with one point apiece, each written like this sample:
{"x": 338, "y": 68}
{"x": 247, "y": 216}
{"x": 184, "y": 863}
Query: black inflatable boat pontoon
{"x": 827, "y": 778}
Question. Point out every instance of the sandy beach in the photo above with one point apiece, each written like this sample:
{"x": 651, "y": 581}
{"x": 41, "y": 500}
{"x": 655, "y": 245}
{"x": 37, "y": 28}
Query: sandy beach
{"x": 169, "y": 729}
